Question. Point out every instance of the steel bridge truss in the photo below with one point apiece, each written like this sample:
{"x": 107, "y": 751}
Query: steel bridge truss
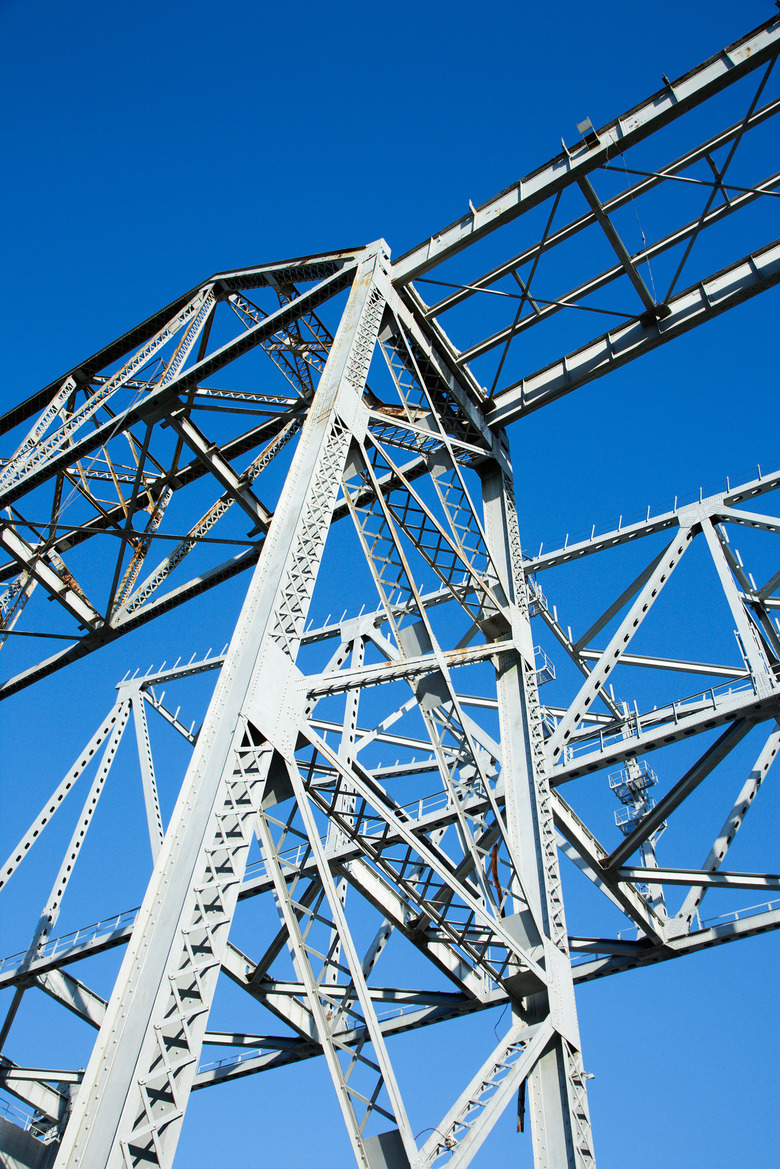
{"x": 391, "y": 783}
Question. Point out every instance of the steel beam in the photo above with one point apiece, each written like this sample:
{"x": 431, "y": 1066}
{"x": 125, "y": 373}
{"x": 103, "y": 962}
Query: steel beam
{"x": 695, "y": 306}
{"x": 663, "y": 107}
{"x": 130, "y": 1108}
{"x": 454, "y": 848}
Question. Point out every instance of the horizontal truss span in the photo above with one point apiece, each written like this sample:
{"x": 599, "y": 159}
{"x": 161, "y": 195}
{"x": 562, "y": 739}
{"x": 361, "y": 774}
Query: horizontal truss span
{"x": 663, "y": 107}
{"x": 394, "y": 779}
{"x": 701, "y": 303}
{"x": 616, "y": 956}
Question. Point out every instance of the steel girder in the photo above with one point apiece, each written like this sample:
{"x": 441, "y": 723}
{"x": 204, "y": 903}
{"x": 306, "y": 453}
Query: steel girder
{"x": 379, "y": 446}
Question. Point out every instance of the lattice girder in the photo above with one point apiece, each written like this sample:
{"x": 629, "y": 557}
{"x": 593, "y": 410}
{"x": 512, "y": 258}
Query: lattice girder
{"x": 389, "y": 785}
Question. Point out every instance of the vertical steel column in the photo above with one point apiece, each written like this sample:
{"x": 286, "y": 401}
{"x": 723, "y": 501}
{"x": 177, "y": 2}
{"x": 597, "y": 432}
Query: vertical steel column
{"x": 560, "y": 1122}
{"x": 135, "y": 1090}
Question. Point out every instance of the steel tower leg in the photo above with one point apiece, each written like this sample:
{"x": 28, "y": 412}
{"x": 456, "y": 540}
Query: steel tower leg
{"x": 560, "y": 1121}
{"x": 134, "y": 1094}
{"x": 451, "y": 847}
{"x": 130, "y": 1107}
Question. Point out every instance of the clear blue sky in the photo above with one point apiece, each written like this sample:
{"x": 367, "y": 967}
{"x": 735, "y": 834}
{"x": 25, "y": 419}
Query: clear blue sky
{"x": 148, "y": 146}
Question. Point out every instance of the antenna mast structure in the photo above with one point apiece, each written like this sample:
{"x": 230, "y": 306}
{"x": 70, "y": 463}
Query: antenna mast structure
{"x": 389, "y": 783}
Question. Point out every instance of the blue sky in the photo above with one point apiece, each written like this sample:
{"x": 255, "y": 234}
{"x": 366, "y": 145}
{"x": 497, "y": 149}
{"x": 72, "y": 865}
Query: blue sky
{"x": 147, "y": 147}
{"x": 152, "y": 145}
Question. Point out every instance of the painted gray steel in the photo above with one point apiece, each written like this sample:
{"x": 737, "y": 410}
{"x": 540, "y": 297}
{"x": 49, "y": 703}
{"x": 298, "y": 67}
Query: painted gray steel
{"x": 294, "y": 791}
